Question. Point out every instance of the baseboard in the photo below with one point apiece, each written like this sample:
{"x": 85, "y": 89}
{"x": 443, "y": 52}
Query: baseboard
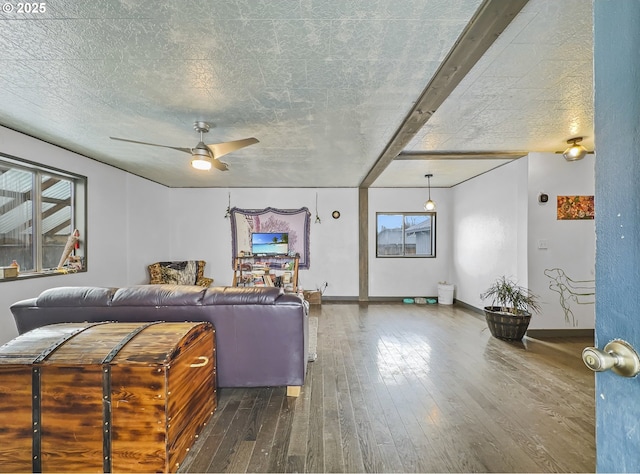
{"x": 378, "y": 299}
{"x": 548, "y": 333}
{"x": 371, "y": 299}
{"x": 339, "y": 299}
{"x": 537, "y": 333}
{"x": 469, "y": 307}
{"x": 392, "y": 299}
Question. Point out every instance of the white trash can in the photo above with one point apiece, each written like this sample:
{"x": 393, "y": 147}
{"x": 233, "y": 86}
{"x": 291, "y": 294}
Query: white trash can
{"x": 445, "y": 293}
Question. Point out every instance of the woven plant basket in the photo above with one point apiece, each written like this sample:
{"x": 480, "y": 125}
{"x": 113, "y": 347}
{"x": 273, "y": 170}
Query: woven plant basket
{"x": 506, "y": 326}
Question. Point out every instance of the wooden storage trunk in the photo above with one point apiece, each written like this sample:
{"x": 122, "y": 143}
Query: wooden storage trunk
{"x": 102, "y": 397}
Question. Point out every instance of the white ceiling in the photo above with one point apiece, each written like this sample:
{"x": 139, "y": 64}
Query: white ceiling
{"x": 323, "y": 84}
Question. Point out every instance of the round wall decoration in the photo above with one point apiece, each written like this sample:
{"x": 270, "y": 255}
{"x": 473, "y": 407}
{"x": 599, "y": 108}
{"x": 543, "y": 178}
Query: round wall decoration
{"x": 335, "y": 214}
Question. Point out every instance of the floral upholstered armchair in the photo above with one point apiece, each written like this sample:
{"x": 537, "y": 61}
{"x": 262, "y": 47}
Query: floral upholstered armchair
{"x": 188, "y": 272}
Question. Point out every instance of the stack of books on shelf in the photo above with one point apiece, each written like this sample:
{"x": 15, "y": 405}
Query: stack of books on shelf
{"x": 262, "y": 273}
{"x": 268, "y": 279}
{"x": 258, "y": 276}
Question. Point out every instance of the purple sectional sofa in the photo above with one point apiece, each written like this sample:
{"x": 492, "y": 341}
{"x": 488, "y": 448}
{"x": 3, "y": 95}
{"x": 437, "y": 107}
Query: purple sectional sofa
{"x": 261, "y": 333}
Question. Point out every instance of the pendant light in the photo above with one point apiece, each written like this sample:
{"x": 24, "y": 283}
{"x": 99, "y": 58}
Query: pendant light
{"x": 429, "y": 205}
{"x": 575, "y": 151}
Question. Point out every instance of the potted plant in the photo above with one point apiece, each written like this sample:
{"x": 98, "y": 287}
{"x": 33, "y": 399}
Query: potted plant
{"x": 511, "y": 307}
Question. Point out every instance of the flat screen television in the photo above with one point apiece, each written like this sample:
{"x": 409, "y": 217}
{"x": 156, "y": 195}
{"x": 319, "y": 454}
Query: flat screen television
{"x": 270, "y": 243}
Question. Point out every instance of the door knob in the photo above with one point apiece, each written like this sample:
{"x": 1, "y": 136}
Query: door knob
{"x": 618, "y": 355}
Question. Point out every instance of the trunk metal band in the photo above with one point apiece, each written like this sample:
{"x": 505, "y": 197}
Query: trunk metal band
{"x": 107, "y": 460}
{"x": 56, "y": 345}
{"x": 36, "y": 419}
{"x": 36, "y": 396}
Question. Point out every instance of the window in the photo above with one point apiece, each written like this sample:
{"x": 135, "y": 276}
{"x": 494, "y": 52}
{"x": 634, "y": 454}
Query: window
{"x": 40, "y": 208}
{"x": 407, "y": 234}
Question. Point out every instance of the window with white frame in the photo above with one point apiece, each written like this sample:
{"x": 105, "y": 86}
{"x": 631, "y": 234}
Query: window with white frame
{"x": 405, "y": 234}
{"x": 42, "y": 218}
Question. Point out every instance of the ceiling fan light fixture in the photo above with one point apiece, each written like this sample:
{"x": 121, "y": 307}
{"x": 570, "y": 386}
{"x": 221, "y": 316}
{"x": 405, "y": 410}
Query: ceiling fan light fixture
{"x": 429, "y": 205}
{"x": 575, "y": 151}
{"x": 200, "y": 163}
{"x": 201, "y": 158}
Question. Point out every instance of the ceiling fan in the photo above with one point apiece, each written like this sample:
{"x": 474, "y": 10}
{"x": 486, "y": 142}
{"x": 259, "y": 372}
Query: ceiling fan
{"x": 205, "y": 156}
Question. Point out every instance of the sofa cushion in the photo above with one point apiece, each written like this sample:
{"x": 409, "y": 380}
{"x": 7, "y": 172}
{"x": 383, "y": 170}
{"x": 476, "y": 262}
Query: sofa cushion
{"x": 158, "y": 295}
{"x": 155, "y": 274}
{"x": 204, "y": 281}
{"x": 186, "y": 272}
{"x": 229, "y": 295}
{"x": 200, "y": 269}
{"x": 75, "y": 296}
{"x": 180, "y": 273}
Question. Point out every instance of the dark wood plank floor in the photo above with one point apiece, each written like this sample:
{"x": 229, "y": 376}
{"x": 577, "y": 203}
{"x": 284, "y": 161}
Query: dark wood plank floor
{"x": 412, "y": 388}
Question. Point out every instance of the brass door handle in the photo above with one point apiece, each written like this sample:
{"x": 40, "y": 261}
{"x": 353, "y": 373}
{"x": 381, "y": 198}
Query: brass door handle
{"x": 618, "y": 355}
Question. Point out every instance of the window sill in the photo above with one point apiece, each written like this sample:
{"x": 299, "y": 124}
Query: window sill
{"x": 45, "y": 273}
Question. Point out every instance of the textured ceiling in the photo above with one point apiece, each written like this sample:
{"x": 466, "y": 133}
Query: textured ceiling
{"x": 324, "y": 85}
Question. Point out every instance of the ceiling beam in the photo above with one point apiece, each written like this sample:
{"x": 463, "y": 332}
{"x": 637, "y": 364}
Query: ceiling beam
{"x": 488, "y": 22}
{"x": 451, "y": 155}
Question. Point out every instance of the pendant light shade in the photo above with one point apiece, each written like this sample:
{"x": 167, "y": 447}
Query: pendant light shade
{"x": 429, "y": 205}
{"x": 575, "y": 151}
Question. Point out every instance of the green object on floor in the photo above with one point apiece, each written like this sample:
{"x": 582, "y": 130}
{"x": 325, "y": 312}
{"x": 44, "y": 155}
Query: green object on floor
{"x": 432, "y": 300}
{"x": 408, "y": 300}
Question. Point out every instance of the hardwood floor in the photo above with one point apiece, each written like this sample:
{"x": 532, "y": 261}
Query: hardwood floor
{"x": 412, "y": 388}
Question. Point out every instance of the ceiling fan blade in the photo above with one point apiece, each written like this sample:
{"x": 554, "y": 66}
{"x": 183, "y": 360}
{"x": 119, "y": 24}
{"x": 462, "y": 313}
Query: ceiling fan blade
{"x": 221, "y": 165}
{"x": 221, "y": 149}
{"x": 186, "y": 150}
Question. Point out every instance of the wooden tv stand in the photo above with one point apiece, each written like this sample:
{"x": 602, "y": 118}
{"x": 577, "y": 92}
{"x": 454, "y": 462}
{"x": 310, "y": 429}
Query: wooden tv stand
{"x": 267, "y": 270}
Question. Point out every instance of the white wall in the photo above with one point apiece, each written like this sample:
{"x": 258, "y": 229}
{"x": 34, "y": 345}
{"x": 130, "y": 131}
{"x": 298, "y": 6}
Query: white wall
{"x": 409, "y": 277}
{"x": 150, "y": 226}
{"x": 499, "y": 226}
{"x": 570, "y": 243}
{"x": 119, "y": 206}
{"x": 489, "y": 216}
{"x": 200, "y": 231}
